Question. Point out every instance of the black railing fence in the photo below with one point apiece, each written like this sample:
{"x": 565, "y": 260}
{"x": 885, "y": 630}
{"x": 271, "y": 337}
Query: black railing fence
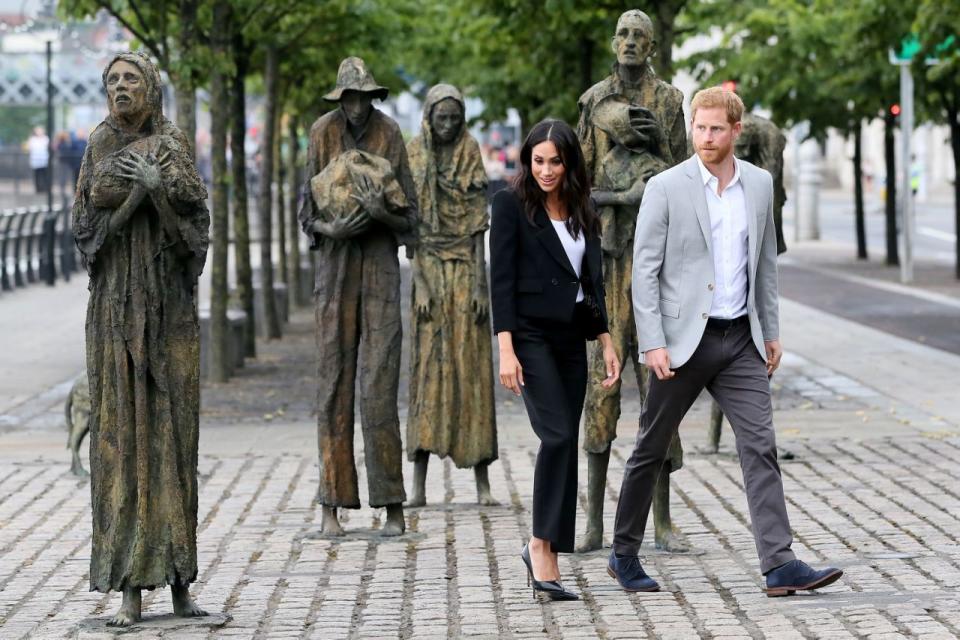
{"x": 36, "y": 245}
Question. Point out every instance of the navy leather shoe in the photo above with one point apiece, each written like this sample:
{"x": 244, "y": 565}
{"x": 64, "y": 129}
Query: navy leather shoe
{"x": 797, "y": 575}
{"x": 626, "y": 570}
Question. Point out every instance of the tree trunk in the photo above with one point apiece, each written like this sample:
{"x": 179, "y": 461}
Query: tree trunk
{"x": 270, "y": 318}
{"x": 185, "y": 84}
{"x": 279, "y": 173}
{"x": 891, "y": 188}
{"x": 586, "y": 63}
{"x": 219, "y": 363}
{"x": 186, "y": 94}
{"x": 293, "y": 224}
{"x": 858, "y": 192}
{"x": 241, "y": 208}
{"x": 664, "y": 25}
{"x": 953, "y": 117}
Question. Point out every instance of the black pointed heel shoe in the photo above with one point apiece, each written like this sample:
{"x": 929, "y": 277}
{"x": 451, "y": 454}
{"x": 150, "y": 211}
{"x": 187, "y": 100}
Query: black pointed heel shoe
{"x": 553, "y": 589}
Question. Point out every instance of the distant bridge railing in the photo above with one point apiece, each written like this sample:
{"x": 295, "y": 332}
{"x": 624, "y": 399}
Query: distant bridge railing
{"x": 36, "y": 245}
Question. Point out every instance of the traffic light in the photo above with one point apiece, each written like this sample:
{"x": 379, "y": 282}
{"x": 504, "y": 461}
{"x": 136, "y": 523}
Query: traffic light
{"x": 895, "y": 110}
{"x": 729, "y": 85}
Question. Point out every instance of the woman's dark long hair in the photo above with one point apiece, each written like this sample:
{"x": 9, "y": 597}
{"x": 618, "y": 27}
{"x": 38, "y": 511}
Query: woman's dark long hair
{"x": 575, "y": 186}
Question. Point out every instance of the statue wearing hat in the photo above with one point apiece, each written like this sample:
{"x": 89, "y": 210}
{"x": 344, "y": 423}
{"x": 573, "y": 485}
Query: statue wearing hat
{"x": 451, "y": 357}
{"x": 360, "y": 205}
{"x": 631, "y": 127}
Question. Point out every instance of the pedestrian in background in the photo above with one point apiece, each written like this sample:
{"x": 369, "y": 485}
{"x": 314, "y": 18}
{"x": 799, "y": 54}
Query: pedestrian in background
{"x": 547, "y": 300}
{"x": 38, "y": 147}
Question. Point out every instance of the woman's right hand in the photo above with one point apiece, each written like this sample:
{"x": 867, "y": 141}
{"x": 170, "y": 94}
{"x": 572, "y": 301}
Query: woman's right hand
{"x": 511, "y": 373}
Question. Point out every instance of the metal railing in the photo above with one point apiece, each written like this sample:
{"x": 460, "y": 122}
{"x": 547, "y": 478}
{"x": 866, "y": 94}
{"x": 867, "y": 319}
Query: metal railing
{"x": 36, "y": 245}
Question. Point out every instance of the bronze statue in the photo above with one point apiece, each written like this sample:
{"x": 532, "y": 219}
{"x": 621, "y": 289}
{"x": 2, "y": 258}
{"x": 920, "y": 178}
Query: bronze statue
{"x": 77, "y": 410}
{"x": 357, "y": 164}
{"x": 761, "y": 142}
{"x": 141, "y": 223}
{"x": 451, "y": 358}
{"x": 631, "y": 128}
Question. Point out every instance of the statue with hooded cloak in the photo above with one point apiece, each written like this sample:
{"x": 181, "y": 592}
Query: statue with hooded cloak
{"x": 451, "y": 370}
{"x": 141, "y": 223}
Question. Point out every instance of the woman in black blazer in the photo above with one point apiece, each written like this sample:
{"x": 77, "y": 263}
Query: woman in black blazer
{"x": 547, "y": 300}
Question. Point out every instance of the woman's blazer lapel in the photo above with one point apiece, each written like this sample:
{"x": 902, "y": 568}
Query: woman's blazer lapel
{"x": 548, "y": 237}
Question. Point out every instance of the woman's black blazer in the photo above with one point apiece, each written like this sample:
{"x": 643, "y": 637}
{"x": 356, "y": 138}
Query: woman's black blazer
{"x": 530, "y": 274}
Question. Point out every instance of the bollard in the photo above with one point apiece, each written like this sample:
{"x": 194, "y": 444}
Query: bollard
{"x": 6, "y": 220}
{"x": 810, "y": 178}
{"x": 48, "y": 270}
{"x": 18, "y": 238}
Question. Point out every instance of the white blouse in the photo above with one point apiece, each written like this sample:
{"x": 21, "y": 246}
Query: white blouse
{"x": 573, "y": 248}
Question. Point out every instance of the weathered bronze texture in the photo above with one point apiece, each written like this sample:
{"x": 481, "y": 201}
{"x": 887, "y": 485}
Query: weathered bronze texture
{"x": 358, "y": 298}
{"x": 631, "y": 127}
{"x": 451, "y": 357}
{"x": 141, "y": 223}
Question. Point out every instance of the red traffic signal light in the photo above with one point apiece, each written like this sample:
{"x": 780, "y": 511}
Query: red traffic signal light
{"x": 729, "y": 85}
{"x": 895, "y": 109}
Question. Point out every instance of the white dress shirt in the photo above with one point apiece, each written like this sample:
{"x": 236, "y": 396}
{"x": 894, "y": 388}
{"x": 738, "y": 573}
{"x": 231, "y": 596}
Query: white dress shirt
{"x": 728, "y": 226}
{"x": 573, "y": 248}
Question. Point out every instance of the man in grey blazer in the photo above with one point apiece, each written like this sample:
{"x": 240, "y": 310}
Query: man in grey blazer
{"x": 706, "y": 308}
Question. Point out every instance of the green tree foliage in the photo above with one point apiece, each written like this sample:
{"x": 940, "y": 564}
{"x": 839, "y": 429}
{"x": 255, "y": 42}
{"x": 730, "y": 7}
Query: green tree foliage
{"x": 17, "y": 123}
{"x": 537, "y": 57}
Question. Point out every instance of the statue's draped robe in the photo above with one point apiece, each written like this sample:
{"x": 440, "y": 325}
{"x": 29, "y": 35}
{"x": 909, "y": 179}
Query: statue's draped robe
{"x": 143, "y": 360}
{"x": 600, "y": 121}
{"x": 451, "y": 361}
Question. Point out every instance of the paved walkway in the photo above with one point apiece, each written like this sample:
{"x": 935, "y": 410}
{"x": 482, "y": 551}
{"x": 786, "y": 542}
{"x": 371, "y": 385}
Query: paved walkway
{"x": 872, "y": 420}
{"x": 872, "y": 488}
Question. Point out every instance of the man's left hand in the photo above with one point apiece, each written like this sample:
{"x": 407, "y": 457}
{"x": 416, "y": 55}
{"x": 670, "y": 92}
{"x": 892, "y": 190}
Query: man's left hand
{"x": 774, "y": 353}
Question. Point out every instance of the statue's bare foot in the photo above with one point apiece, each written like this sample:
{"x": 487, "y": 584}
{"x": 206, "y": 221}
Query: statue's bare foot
{"x": 487, "y": 500}
{"x": 671, "y": 542}
{"x": 330, "y": 524}
{"x": 76, "y": 468}
{"x": 591, "y": 540}
{"x": 129, "y": 610}
{"x": 417, "y": 500}
{"x": 183, "y": 604}
{"x": 395, "y": 524}
{"x": 484, "y": 496}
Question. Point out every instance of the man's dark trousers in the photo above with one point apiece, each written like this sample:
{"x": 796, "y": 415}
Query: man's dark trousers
{"x": 728, "y": 365}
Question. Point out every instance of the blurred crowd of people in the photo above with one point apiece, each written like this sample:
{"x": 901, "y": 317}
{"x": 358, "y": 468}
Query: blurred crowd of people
{"x": 68, "y": 149}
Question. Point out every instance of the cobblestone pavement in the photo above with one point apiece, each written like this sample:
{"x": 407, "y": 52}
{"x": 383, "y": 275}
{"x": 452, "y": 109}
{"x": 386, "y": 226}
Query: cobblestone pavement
{"x": 872, "y": 487}
{"x": 885, "y": 511}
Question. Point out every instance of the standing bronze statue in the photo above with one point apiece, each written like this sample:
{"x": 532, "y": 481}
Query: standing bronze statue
{"x": 358, "y": 170}
{"x": 141, "y": 223}
{"x": 761, "y": 142}
{"x": 451, "y": 357}
{"x": 631, "y": 128}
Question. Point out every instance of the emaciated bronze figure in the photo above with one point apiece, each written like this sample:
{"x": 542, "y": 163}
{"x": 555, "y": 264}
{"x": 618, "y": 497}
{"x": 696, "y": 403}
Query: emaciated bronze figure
{"x": 141, "y": 223}
{"x": 356, "y": 238}
{"x": 631, "y": 128}
{"x": 451, "y": 368}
